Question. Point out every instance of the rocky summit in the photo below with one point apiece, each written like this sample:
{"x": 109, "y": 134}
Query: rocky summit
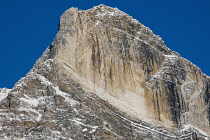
{"x": 107, "y": 76}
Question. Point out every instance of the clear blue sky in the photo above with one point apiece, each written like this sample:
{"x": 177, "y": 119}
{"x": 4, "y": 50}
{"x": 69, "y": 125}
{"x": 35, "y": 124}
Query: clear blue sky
{"x": 27, "y": 28}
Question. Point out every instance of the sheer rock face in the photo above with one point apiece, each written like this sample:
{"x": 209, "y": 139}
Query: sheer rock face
{"x": 107, "y": 76}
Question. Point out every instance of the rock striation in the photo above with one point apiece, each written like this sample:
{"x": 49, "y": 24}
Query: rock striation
{"x": 107, "y": 76}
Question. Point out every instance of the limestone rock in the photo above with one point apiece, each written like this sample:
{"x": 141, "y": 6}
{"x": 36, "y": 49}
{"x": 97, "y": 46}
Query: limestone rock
{"x": 107, "y": 76}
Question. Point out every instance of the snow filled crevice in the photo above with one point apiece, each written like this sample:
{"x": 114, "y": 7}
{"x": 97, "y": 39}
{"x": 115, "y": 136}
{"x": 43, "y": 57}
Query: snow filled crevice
{"x": 87, "y": 126}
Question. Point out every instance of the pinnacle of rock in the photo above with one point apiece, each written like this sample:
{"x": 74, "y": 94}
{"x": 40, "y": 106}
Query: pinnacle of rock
{"x": 107, "y": 76}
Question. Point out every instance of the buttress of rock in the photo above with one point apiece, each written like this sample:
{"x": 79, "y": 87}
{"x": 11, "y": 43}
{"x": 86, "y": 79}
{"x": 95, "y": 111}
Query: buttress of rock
{"x": 122, "y": 61}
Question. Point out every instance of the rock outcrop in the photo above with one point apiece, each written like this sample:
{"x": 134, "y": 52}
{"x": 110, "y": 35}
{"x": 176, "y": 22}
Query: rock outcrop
{"x": 107, "y": 76}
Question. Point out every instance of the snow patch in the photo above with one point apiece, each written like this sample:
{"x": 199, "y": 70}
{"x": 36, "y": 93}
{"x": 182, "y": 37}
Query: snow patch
{"x": 65, "y": 95}
{"x": 189, "y": 126}
{"x": 103, "y": 10}
{"x": 78, "y": 121}
{"x": 44, "y": 80}
{"x": 171, "y": 59}
{"x": 116, "y": 29}
{"x": 32, "y": 110}
{"x": 31, "y": 101}
{"x": 84, "y": 130}
{"x": 92, "y": 131}
{"x": 134, "y": 21}
{"x": 39, "y": 117}
{"x": 4, "y": 93}
{"x": 97, "y": 22}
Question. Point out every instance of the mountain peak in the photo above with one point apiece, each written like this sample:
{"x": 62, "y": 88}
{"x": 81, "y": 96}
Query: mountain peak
{"x": 102, "y": 6}
{"x": 107, "y": 76}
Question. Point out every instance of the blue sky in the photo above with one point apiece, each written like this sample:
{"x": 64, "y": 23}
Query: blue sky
{"x": 29, "y": 26}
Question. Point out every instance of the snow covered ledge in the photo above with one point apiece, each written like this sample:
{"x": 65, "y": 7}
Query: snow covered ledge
{"x": 189, "y": 129}
{"x": 4, "y": 93}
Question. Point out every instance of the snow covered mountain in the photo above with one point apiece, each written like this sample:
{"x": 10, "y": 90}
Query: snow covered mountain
{"x": 107, "y": 76}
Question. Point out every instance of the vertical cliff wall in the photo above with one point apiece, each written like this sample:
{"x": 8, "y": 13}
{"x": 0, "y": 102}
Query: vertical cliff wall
{"x": 121, "y": 60}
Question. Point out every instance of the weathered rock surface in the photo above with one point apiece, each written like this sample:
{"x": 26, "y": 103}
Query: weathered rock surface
{"x": 107, "y": 76}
